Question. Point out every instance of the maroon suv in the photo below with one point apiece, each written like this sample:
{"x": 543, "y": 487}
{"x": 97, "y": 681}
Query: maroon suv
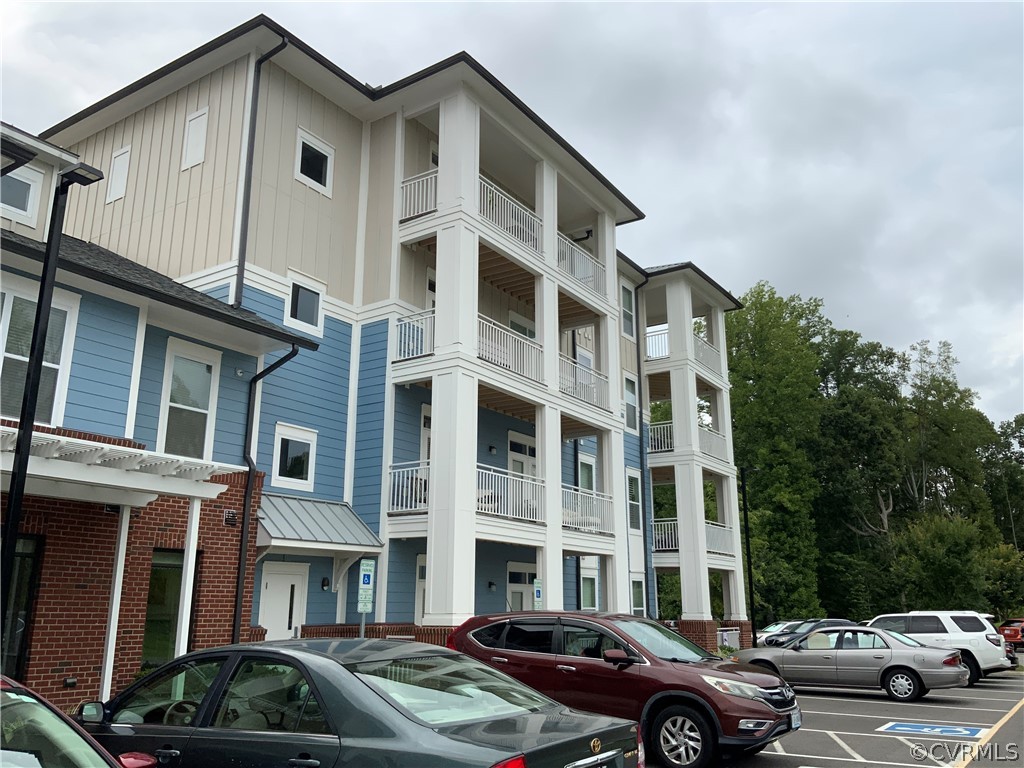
{"x": 690, "y": 704}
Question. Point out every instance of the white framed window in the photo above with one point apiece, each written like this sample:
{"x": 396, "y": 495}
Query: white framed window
{"x": 633, "y": 499}
{"x": 629, "y": 399}
{"x": 294, "y": 457}
{"x": 117, "y": 179}
{"x": 588, "y": 593}
{"x": 17, "y": 319}
{"x": 587, "y": 473}
{"x": 304, "y": 308}
{"x": 19, "y": 194}
{"x": 425, "y": 432}
{"x": 434, "y": 155}
{"x": 522, "y": 325}
{"x": 314, "y": 162}
{"x": 188, "y": 403}
{"x": 627, "y": 302}
{"x": 431, "y": 298}
{"x": 638, "y": 597}
{"x": 193, "y": 148}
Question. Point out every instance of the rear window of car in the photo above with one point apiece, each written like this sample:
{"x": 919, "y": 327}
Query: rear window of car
{"x": 891, "y": 623}
{"x": 969, "y": 623}
{"x": 926, "y": 624}
{"x": 490, "y": 636}
{"x": 1011, "y": 624}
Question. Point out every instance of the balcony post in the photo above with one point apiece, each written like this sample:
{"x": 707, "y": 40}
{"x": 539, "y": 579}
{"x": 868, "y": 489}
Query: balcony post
{"x": 693, "y": 549}
{"x": 612, "y": 480}
{"x": 550, "y": 563}
{"x": 458, "y": 152}
{"x": 683, "y": 386}
{"x": 547, "y": 324}
{"x": 547, "y": 210}
{"x": 455, "y": 321}
{"x": 736, "y": 607}
{"x": 680, "y": 321}
{"x": 604, "y": 252}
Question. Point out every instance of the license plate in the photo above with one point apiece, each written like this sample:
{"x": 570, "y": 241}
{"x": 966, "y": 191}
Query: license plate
{"x": 795, "y": 720}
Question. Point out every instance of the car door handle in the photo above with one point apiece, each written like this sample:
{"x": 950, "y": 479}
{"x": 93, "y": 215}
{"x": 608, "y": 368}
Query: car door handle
{"x": 166, "y": 754}
{"x": 499, "y": 660}
{"x": 878, "y": 656}
{"x": 564, "y": 668}
{"x": 826, "y": 657}
{"x": 301, "y": 762}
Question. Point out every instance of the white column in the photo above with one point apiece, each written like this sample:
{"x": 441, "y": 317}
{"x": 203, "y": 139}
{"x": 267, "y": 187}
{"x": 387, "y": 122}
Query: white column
{"x": 679, "y": 302}
{"x": 550, "y": 559}
{"x": 114, "y": 612}
{"x": 683, "y": 385}
{"x": 725, "y": 425}
{"x": 458, "y": 144}
{"x": 547, "y": 209}
{"x": 451, "y": 524}
{"x": 188, "y": 577}
{"x": 606, "y": 254}
{"x": 612, "y": 455}
{"x": 547, "y": 329}
{"x": 693, "y": 552}
{"x": 731, "y": 509}
{"x": 455, "y": 329}
{"x": 716, "y": 334}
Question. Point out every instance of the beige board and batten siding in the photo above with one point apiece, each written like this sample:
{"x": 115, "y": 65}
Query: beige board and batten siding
{"x": 173, "y": 221}
{"x": 418, "y": 140}
{"x": 412, "y": 286}
{"x": 496, "y": 304}
{"x": 44, "y": 201}
{"x": 292, "y": 225}
{"x": 381, "y": 224}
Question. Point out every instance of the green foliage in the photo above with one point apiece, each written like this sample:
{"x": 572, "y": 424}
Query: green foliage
{"x": 941, "y": 564}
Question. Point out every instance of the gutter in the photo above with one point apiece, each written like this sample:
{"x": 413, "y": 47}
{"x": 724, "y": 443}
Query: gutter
{"x": 250, "y": 483}
{"x": 250, "y": 152}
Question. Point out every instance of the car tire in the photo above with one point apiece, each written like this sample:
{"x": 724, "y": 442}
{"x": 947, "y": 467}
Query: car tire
{"x": 682, "y": 737}
{"x": 902, "y": 685}
{"x": 974, "y": 669}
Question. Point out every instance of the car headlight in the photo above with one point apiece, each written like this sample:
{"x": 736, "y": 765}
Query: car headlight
{"x": 733, "y": 687}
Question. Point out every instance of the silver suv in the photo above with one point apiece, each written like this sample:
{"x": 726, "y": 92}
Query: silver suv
{"x": 982, "y": 648}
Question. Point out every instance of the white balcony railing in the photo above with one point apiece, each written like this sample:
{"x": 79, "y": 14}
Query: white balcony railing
{"x": 657, "y": 344}
{"x": 712, "y": 442}
{"x": 659, "y": 437}
{"x": 510, "y": 215}
{"x": 583, "y": 383}
{"x": 580, "y": 265}
{"x": 506, "y": 348}
{"x": 666, "y": 536}
{"x": 409, "y": 486}
{"x": 719, "y": 539}
{"x": 584, "y": 510}
{"x": 509, "y": 494}
{"x": 707, "y": 355}
{"x": 419, "y": 194}
{"x": 415, "y": 335}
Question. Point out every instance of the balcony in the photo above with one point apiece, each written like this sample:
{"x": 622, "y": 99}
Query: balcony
{"x": 707, "y": 355}
{"x": 581, "y": 266}
{"x": 659, "y": 437}
{"x": 509, "y": 215}
{"x": 583, "y": 383}
{"x": 419, "y": 195}
{"x": 712, "y": 443}
{"x": 509, "y": 494}
{"x": 409, "y": 488}
{"x": 509, "y": 350}
{"x": 657, "y": 344}
{"x": 586, "y": 511}
{"x": 415, "y": 335}
{"x": 718, "y": 537}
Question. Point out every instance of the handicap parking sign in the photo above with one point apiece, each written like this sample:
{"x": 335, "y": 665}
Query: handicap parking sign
{"x": 932, "y": 729}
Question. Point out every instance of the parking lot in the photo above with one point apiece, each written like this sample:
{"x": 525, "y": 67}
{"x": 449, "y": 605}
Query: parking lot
{"x": 952, "y": 728}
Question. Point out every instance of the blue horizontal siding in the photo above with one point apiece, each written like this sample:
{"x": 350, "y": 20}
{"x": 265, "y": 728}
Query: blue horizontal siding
{"x": 219, "y": 292}
{"x": 402, "y": 555}
{"x": 369, "y": 455}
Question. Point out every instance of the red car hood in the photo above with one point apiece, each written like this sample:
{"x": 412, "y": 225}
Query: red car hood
{"x": 746, "y": 673}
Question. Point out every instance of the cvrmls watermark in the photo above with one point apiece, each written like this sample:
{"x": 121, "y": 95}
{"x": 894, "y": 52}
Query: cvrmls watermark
{"x": 951, "y": 753}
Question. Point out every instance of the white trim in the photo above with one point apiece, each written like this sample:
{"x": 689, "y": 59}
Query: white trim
{"x": 188, "y": 577}
{"x": 191, "y": 124}
{"x": 34, "y": 178}
{"x": 261, "y": 363}
{"x": 589, "y": 577}
{"x": 305, "y": 137}
{"x": 527, "y": 440}
{"x": 350, "y": 420}
{"x": 68, "y": 302}
{"x": 133, "y": 387}
{"x": 623, "y": 283}
{"x": 364, "y": 187}
{"x": 425, "y": 412}
{"x": 634, "y": 474}
{"x": 430, "y": 294}
{"x": 281, "y": 568}
{"x": 310, "y": 284}
{"x": 643, "y": 597}
{"x": 180, "y": 348}
{"x": 117, "y": 182}
{"x": 625, "y": 403}
{"x": 114, "y": 609}
{"x": 283, "y": 431}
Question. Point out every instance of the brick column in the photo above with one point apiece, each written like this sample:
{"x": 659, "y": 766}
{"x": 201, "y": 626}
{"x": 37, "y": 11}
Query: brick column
{"x": 703, "y": 632}
{"x": 745, "y": 634}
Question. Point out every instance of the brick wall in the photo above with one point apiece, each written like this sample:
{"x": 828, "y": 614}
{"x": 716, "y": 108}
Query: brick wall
{"x": 703, "y": 632}
{"x": 433, "y": 635}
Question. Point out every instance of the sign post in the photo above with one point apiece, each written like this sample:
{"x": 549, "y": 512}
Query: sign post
{"x": 367, "y": 569}
{"x": 538, "y": 595}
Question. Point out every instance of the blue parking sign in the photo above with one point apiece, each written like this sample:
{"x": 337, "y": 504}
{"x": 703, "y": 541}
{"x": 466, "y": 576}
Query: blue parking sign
{"x": 932, "y": 729}
{"x": 366, "y": 578}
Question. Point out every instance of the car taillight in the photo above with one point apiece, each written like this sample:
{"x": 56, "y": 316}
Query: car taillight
{"x": 641, "y": 759}
{"x": 514, "y": 762}
{"x": 996, "y": 640}
{"x": 952, "y": 661}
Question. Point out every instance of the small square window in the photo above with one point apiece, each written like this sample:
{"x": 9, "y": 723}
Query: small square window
{"x": 293, "y": 462}
{"x": 294, "y": 457}
{"x": 629, "y": 391}
{"x": 305, "y": 305}
{"x": 314, "y": 162}
{"x": 638, "y": 598}
{"x": 19, "y": 194}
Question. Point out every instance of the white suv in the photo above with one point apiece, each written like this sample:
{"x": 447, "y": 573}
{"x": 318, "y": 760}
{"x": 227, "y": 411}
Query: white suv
{"x": 982, "y": 648}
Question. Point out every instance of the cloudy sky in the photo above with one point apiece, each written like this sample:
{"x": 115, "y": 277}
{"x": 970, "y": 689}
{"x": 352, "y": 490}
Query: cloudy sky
{"x": 867, "y": 154}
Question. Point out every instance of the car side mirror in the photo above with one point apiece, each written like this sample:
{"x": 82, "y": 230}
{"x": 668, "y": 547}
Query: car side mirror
{"x": 618, "y": 656}
{"x": 137, "y": 760}
{"x": 91, "y": 712}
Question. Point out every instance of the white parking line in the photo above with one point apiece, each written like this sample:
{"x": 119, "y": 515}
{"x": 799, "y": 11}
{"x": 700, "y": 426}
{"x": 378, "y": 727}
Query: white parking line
{"x": 884, "y": 735}
{"x": 880, "y": 717}
{"x": 845, "y": 748}
{"x": 914, "y": 749}
{"x": 766, "y": 753}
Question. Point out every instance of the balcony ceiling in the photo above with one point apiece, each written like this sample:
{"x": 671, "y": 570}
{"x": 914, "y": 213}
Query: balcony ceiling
{"x": 506, "y": 275}
{"x": 503, "y": 402}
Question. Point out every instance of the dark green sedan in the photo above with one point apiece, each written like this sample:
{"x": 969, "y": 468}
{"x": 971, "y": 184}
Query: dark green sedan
{"x": 330, "y": 703}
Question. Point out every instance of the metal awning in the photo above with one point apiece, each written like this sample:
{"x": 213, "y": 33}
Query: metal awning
{"x": 83, "y": 470}
{"x": 301, "y": 523}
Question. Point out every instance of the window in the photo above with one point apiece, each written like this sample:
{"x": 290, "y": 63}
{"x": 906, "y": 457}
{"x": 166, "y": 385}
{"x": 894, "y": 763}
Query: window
{"x": 189, "y": 400}
{"x": 314, "y": 163}
{"x": 267, "y": 695}
{"x": 434, "y": 156}
{"x": 638, "y": 598}
{"x": 524, "y": 326}
{"x": 633, "y": 499}
{"x": 969, "y": 623}
{"x": 19, "y": 194}
{"x": 587, "y": 472}
{"x": 820, "y": 641}
{"x": 855, "y": 641}
{"x": 17, "y": 318}
{"x": 117, "y": 179}
{"x": 490, "y": 636}
{"x": 170, "y": 699}
{"x": 305, "y": 310}
{"x": 629, "y": 396}
{"x": 529, "y": 636}
{"x": 628, "y": 310}
{"x": 587, "y": 642}
{"x": 892, "y": 623}
{"x": 294, "y": 457}
{"x": 162, "y": 608}
{"x": 193, "y": 150}
{"x": 21, "y": 598}
{"x": 926, "y": 624}
{"x": 588, "y": 593}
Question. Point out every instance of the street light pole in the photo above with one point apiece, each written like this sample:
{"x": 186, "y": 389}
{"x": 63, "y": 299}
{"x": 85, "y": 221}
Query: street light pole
{"x": 750, "y": 567}
{"x": 80, "y": 173}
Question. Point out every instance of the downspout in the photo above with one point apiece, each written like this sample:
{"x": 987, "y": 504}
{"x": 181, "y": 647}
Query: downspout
{"x": 644, "y": 470}
{"x": 250, "y": 484}
{"x": 250, "y": 153}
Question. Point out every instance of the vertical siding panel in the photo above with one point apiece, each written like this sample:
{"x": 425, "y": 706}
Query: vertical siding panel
{"x": 370, "y": 423}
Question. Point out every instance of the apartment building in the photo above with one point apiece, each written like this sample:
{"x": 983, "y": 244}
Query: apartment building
{"x": 470, "y": 408}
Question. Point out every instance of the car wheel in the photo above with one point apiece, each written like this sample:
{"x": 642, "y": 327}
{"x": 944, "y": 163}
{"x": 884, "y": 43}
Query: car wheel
{"x": 903, "y": 685}
{"x": 975, "y": 670}
{"x": 682, "y": 737}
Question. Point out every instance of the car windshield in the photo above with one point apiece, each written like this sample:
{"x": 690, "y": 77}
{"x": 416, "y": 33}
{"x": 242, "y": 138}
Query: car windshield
{"x": 904, "y": 639}
{"x": 772, "y": 627}
{"x": 33, "y": 736}
{"x": 804, "y": 627}
{"x": 448, "y": 689}
{"x": 661, "y": 641}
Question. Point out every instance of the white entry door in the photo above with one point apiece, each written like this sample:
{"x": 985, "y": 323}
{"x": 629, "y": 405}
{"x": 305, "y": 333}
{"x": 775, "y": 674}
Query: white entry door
{"x": 283, "y": 598}
{"x": 520, "y": 586}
